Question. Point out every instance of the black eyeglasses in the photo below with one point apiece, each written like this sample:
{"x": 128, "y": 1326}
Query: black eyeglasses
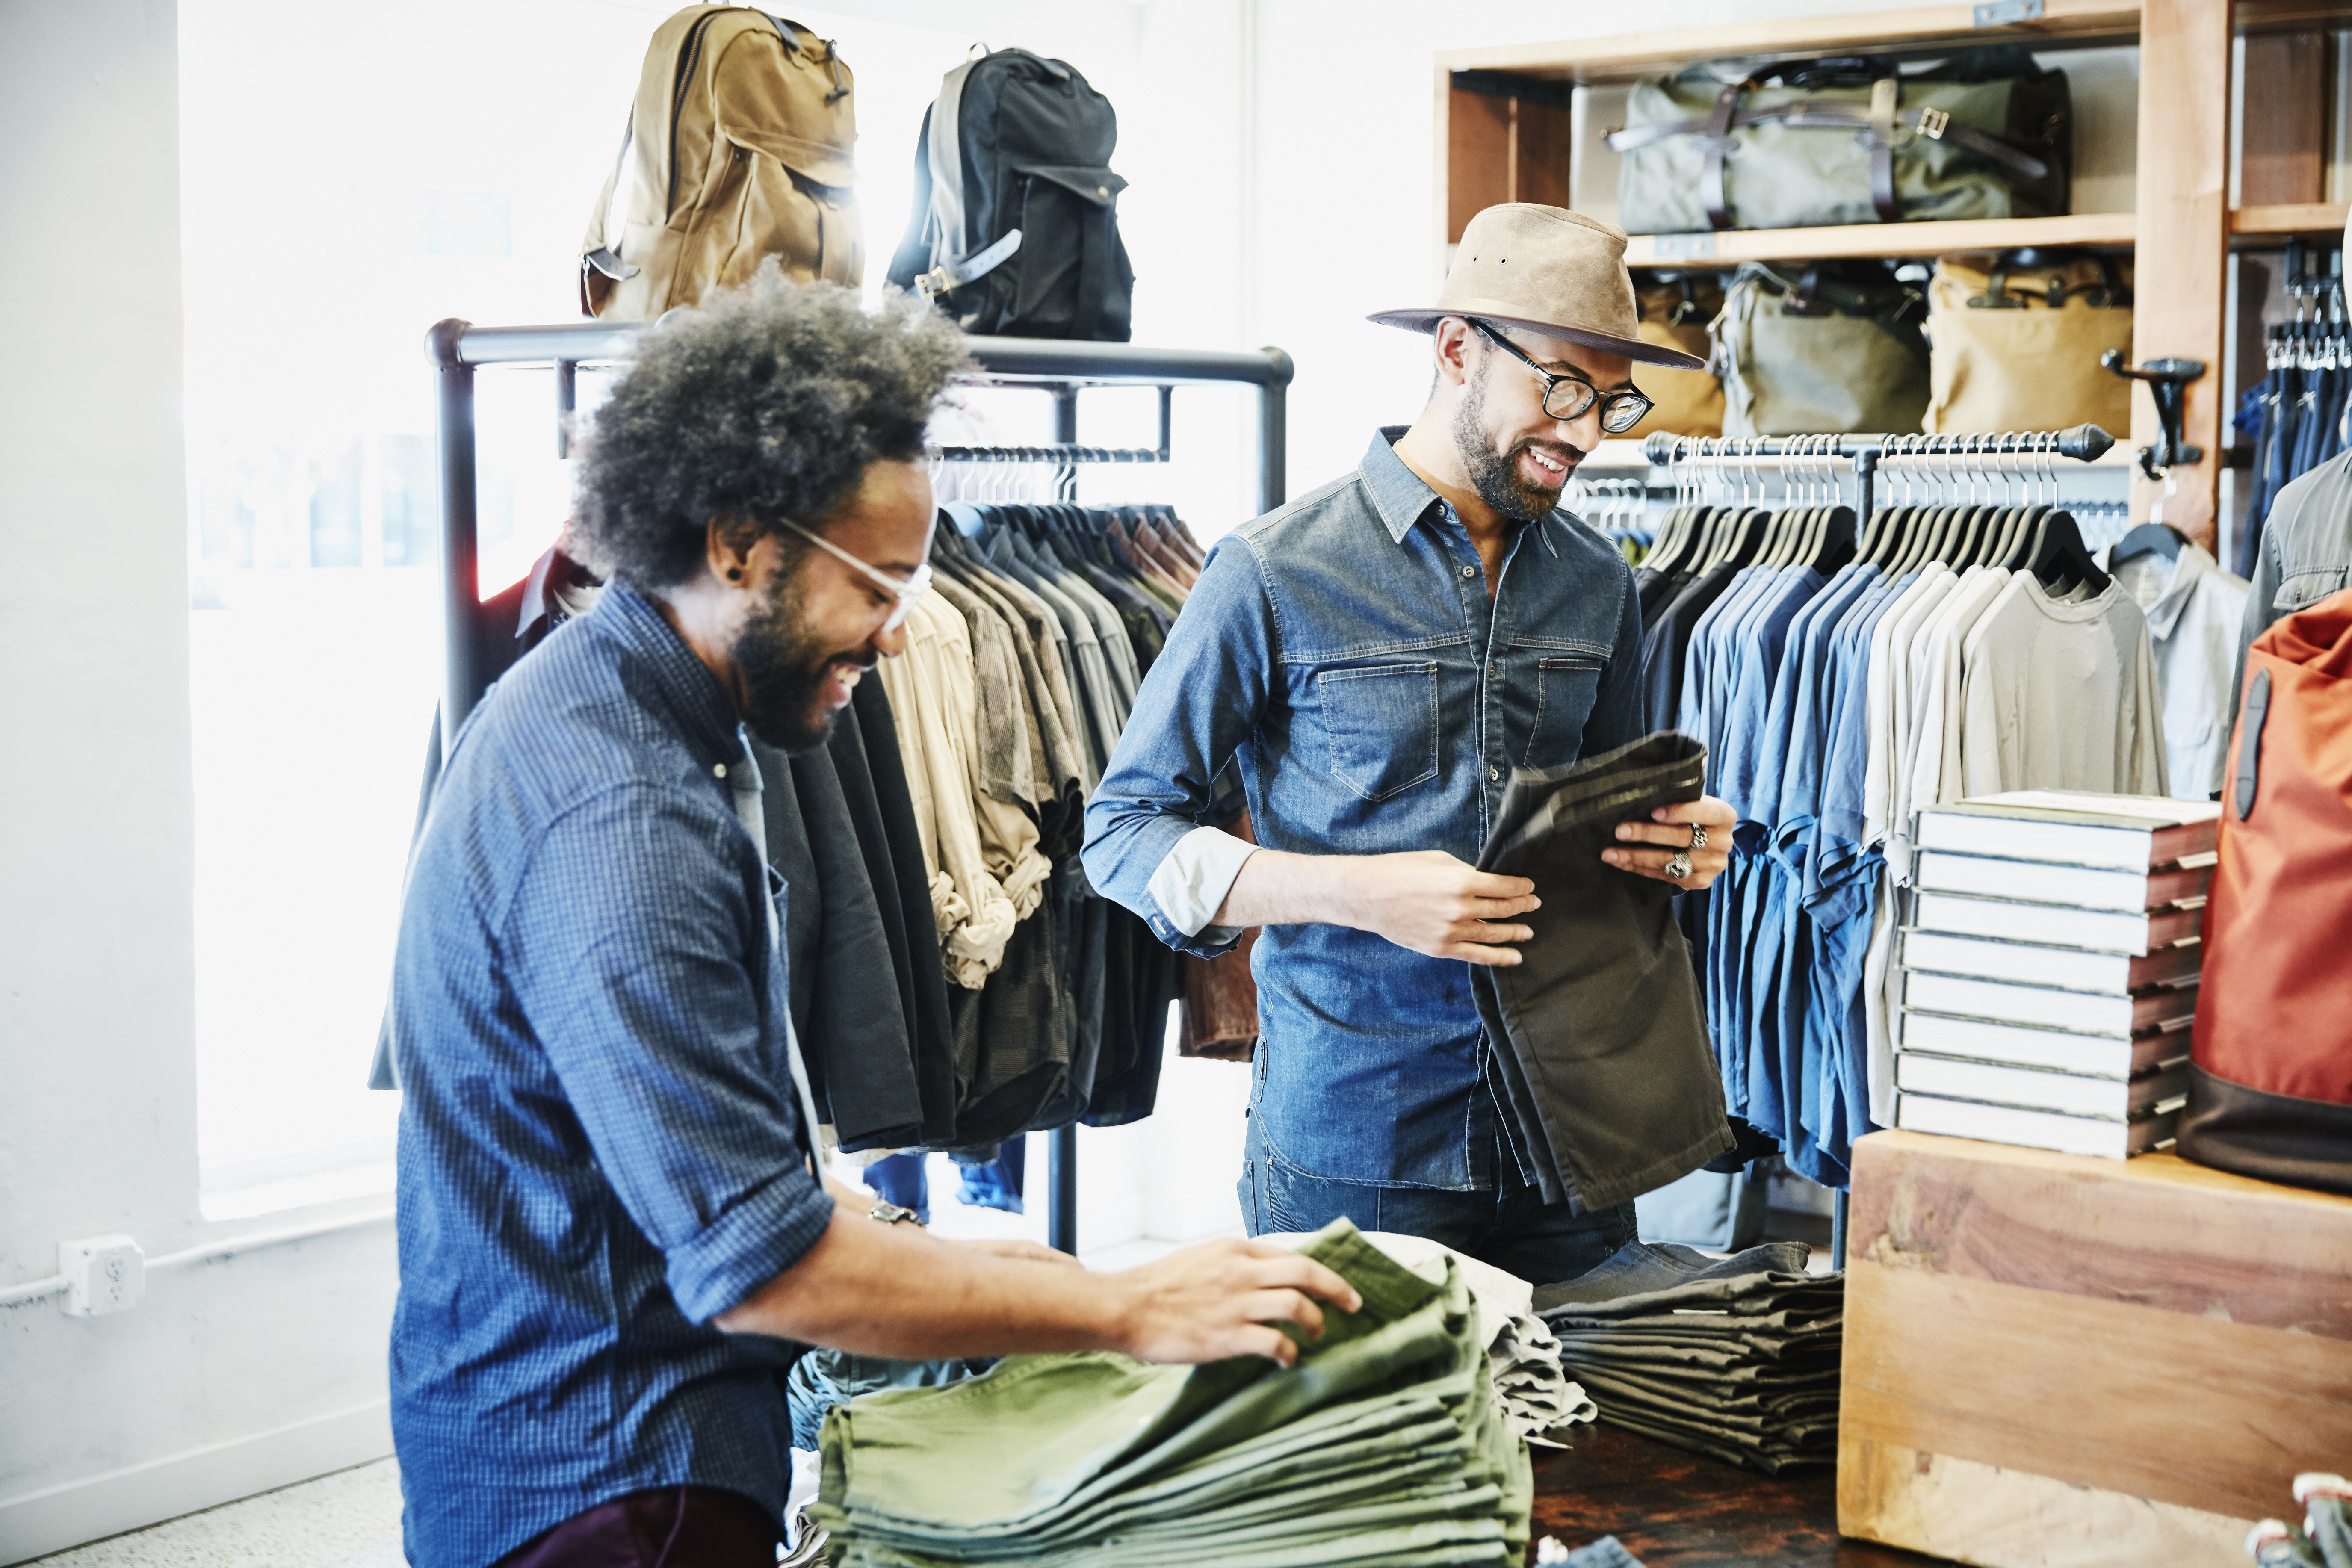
{"x": 1568, "y": 395}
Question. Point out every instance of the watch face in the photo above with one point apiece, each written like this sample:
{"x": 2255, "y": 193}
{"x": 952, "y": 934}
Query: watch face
{"x": 891, "y": 1214}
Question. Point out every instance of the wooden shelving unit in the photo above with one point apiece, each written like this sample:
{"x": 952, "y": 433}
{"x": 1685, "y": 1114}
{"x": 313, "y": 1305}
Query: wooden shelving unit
{"x": 2288, "y": 220}
{"x": 1504, "y": 118}
{"x": 2115, "y": 230}
{"x": 1920, "y": 27}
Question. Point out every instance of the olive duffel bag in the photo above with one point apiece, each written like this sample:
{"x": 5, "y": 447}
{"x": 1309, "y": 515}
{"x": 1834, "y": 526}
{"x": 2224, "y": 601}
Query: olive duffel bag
{"x": 1805, "y": 143}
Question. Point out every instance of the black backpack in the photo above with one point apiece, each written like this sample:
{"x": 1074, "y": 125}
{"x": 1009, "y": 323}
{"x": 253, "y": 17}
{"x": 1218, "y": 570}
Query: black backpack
{"x": 1016, "y": 226}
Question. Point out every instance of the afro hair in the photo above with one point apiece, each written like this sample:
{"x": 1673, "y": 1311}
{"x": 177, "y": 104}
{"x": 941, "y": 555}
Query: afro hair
{"x": 766, "y": 401}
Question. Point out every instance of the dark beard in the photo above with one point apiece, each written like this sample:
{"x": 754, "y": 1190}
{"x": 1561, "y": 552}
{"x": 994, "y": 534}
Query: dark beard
{"x": 1495, "y": 474}
{"x": 783, "y": 672}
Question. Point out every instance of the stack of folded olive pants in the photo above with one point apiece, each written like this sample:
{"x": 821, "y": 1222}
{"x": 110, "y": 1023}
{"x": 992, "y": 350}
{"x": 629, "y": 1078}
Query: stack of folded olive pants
{"x": 1737, "y": 1357}
{"x": 1382, "y": 1445}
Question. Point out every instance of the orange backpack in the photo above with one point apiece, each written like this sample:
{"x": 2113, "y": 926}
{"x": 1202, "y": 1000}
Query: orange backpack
{"x": 2270, "y": 1087}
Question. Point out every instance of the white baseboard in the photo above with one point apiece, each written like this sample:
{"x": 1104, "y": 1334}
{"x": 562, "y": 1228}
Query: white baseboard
{"x": 38, "y": 1523}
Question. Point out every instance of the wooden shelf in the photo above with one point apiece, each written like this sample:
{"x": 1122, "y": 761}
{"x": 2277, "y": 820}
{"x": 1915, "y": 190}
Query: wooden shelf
{"x": 2250, "y": 226}
{"x": 1734, "y": 245}
{"x": 2289, "y": 16}
{"x": 1632, "y": 55}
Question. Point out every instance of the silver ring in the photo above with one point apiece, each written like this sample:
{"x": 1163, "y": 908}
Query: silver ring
{"x": 1679, "y": 866}
{"x": 1698, "y": 837}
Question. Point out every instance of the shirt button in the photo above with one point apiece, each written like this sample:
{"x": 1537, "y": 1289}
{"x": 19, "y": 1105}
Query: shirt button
{"x": 1492, "y": 772}
{"x": 1494, "y": 669}
{"x": 718, "y": 770}
{"x": 1469, "y": 570}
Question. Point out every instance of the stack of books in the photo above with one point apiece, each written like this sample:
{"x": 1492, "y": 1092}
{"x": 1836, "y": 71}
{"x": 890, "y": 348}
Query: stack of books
{"x": 2050, "y": 969}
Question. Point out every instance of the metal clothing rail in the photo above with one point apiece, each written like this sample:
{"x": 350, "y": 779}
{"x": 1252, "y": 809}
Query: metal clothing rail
{"x": 2005, "y": 451}
{"x": 1062, "y": 368}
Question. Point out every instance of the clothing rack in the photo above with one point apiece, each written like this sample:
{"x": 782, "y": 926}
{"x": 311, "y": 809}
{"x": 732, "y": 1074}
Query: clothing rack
{"x": 2007, "y": 451}
{"x": 1059, "y": 368}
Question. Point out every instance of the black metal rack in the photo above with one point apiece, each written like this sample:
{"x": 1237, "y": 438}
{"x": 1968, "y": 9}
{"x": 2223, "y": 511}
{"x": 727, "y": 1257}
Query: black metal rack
{"x": 1060, "y": 368}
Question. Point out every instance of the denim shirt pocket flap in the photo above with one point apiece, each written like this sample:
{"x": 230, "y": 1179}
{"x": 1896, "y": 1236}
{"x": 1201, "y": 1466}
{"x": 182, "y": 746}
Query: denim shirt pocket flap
{"x": 1381, "y": 721}
{"x": 1567, "y": 685}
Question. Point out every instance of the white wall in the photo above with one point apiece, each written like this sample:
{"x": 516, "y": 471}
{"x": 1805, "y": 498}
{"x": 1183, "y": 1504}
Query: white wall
{"x": 97, "y": 1117}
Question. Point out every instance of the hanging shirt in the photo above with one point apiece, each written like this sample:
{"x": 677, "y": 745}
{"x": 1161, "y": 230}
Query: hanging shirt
{"x": 1344, "y": 653}
{"x": 2305, "y": 555}
{"x": 2194, "y": 610}
{"x": 2060, "y": 695}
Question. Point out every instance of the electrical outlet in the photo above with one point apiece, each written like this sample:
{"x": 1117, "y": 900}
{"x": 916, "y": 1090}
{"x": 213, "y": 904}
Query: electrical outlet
{"x": 103, "y": 1274}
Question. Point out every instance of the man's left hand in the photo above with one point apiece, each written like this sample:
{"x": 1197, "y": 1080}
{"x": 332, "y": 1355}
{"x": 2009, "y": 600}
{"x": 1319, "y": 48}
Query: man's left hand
{"x": 1670, "y": 827}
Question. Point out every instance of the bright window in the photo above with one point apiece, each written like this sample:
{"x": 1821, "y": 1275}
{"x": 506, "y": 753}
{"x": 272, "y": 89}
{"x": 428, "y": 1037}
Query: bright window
{"x": 349, "y": 176}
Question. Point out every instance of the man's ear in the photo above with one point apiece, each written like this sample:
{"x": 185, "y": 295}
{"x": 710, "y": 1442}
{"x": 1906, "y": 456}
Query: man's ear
{"x": 727, "y": 549}
{"x": 1449, "y": 344}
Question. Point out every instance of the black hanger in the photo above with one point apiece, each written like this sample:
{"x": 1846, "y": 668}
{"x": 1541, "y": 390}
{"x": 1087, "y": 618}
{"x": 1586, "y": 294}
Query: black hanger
{"x": 2147, "y": 539}
{"x": 2060, "y": 559}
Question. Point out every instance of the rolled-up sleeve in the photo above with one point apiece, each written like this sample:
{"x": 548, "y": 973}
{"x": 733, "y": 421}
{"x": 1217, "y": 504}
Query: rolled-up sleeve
{"x": 1202, "y": 699}
{"x": 641, "y": 961}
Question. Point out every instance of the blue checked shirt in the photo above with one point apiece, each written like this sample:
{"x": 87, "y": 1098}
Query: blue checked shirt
{"x": 1343, "y": 653}
{"x": 599, "y": 1150}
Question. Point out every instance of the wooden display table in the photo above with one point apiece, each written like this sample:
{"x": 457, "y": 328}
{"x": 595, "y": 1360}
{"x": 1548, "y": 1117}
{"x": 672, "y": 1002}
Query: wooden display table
{"x": 2053, "y": 1361}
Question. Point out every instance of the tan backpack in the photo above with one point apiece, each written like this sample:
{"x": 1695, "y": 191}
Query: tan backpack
{"x": 741, "y": 146}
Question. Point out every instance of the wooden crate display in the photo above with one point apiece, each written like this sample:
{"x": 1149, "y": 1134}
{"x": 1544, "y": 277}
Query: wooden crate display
{"x": 2055, "y": 1360}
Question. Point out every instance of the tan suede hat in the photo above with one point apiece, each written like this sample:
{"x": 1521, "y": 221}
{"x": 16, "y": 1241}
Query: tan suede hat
{"x": 1551, "y": 272}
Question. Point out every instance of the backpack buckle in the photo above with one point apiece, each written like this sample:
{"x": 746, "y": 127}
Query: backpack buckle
{"x": 1933, "y": 122}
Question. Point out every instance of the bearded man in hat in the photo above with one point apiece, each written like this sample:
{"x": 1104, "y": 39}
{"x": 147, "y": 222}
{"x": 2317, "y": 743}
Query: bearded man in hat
{"x": 1375, "y": 659}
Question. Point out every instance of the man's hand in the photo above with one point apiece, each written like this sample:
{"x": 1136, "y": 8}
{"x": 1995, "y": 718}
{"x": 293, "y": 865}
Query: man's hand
{"x": 1219, "y": 1299}
{"x": 1670, "y": 826}
{"x": 1427, "y": 901}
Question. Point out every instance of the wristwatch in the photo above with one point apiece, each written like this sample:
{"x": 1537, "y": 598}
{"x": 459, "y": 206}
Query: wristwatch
{"x": 890, "y": 1214}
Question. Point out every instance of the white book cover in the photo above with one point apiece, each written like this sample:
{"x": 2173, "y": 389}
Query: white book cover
{"x": 2036, "y": 1089}
{"x": 2084, "y": 1056}
{"x": 2036, "y": 1129}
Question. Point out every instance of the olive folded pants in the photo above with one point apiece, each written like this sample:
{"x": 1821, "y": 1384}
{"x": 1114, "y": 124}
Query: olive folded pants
{"x": 1384, "y": 1445}
{"x": 1607, "y": 1085}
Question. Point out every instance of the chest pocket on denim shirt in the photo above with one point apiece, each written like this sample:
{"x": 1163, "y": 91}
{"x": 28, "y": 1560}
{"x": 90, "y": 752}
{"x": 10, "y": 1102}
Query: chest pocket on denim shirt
{"x": 1381, "y": 722}
{"x": 1566, "y": 685}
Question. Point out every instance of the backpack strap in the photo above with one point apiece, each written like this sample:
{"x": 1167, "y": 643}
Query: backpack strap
{"x": 2251, "y": 716}
{"x": 1885, "y": 98}
{"x": 949, "y": 275}
{"x": 1719, "y": 144}
{"x": 603, "y": 257}
{"x": 946, "y": 146}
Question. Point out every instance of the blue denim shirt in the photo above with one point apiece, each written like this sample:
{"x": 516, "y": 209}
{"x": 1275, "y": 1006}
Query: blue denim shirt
{"x": 599, "y": 1150}
{"x": 1343, "y": 653}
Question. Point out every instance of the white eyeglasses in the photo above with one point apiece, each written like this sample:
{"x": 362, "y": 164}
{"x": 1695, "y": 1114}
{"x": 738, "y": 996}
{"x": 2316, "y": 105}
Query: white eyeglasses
{"x": 906, "y": 590}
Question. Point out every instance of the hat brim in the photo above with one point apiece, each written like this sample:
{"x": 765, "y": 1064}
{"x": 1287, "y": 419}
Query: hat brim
{"x": 1631, "y": 348}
